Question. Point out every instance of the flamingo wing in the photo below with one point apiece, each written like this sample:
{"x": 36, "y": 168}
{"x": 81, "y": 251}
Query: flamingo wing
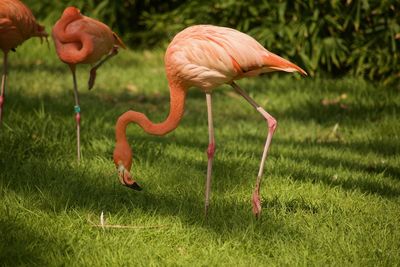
{"x": 6, "y": 25}
{"x": 118, "y": 41}
{"x": 207, "y": 56}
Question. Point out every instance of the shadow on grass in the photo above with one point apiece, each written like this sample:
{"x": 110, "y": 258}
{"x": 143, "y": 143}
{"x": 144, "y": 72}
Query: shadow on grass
{"x": 230, "y": 172}
{"x": 113, "y": 199}
{"x": 384, "y": 148}
{"x": 309, "y": 155}
{"x": 356, "y": 114}
{"x": 107, "y": 111}
{"x": 21, "y": 245}
{"x": 59, "y": 189}
{"x": 13, "y": 247}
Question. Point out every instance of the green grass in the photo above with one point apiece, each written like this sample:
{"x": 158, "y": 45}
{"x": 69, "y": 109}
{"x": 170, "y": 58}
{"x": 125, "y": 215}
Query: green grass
{"x": 329, "y": 197}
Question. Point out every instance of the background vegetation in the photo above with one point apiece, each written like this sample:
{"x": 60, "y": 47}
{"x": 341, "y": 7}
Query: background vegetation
{"x": 359, "y": 37}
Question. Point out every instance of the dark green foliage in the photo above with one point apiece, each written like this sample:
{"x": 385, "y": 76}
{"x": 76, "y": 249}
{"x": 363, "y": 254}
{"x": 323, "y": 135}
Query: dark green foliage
{"x": 125, "y": 17}
{"x": 337, "y": 37}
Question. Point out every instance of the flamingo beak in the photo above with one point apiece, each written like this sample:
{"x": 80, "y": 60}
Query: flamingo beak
{"x": 135, "y": 186}
{"x": 126, "y": 178}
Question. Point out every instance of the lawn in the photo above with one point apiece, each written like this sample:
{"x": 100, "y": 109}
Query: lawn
{"x": 331, "y": 191}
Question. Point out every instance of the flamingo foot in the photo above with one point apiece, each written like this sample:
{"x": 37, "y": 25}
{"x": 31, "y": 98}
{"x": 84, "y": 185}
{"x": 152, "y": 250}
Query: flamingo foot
{"x": 92, "y": 78}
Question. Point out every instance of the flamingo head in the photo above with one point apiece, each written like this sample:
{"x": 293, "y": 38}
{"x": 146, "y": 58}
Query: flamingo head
{"x": 72, "y": 13}
{"x": 40, "y": 31}
{"x": 123, "y": 162}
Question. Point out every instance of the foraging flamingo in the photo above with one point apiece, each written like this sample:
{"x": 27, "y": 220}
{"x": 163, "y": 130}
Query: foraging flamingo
{"x": 17, "y": 24}
{"x": 205, "y": 57}
{"x": 83, "y": 40}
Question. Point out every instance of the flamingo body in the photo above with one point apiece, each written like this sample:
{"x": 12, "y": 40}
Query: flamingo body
{"x": 204, "y": 56}
{"x": 17, "y": 24}
{"x": 80, "y": 39}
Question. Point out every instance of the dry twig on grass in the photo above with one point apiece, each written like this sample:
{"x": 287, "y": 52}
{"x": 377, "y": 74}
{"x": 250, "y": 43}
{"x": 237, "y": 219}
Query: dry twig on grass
{"x": 118, "y": 226}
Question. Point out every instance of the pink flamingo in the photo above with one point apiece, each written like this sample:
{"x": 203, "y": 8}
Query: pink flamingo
{"x": 205, "y": 57}
{"x": 80, "y": 39}
{"x": 17, "y": 24}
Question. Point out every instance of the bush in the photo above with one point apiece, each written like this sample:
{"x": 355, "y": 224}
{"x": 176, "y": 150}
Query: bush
{"x": 338, "y": 37}
{"x": 335, "y": 36}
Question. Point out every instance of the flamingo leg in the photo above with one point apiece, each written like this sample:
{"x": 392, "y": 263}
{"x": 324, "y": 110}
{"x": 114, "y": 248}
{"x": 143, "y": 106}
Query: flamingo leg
{"x": 93, "y": 70}
{"x": 3, "y": 84}
{"x": 77, "y": 109}
{"x": 272, "y": 124}
{"x": 210, "y": 152}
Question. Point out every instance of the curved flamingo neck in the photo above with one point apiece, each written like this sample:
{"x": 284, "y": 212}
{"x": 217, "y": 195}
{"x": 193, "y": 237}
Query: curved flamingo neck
{"x": 177, "y": 106}
{"x": 72, "y": 48}
{"x": 61, "y": 27}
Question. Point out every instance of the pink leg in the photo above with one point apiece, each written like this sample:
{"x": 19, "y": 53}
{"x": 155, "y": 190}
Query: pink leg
{"x": 3, "y": 84}
{"x": 272, "y": 123}
{"x": 77, "y": 114}
{"x": 93, "y": 70}
{"x": 210, "y": 152}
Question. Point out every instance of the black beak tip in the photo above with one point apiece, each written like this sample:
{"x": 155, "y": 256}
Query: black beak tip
{"x": 135, "y": 186}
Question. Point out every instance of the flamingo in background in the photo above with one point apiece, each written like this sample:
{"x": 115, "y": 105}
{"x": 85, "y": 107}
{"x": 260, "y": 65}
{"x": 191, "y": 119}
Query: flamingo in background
{"x": 80, "y": 39}
{"x": 17, "y": 24}
{"x": 205, "y": 57}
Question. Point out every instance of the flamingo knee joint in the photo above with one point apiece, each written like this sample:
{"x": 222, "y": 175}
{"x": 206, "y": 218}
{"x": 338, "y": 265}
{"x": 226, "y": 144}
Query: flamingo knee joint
{"x": 272, "y": 124}
{"x": 211, "y": 150}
